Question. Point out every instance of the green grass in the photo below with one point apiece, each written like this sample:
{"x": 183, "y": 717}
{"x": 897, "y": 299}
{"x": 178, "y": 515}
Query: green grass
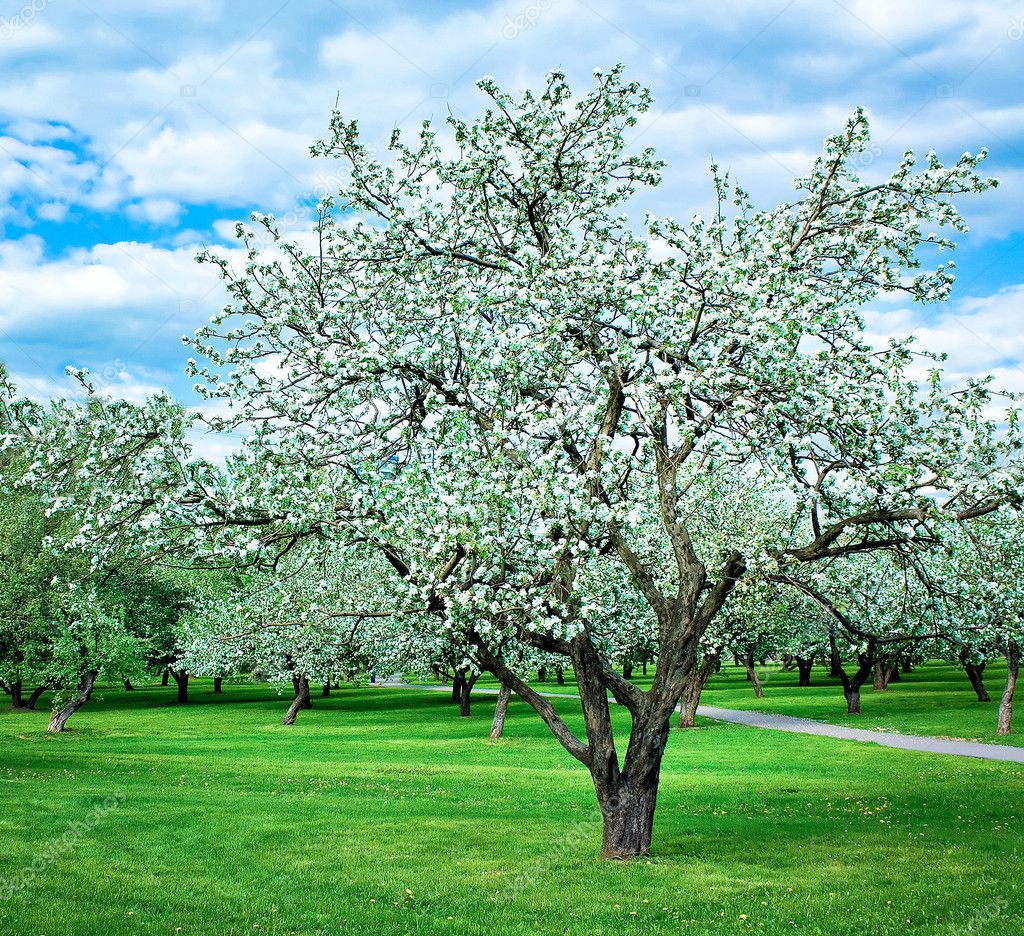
{"x": 383, "y": 812}
{"x": 936, "y": 699}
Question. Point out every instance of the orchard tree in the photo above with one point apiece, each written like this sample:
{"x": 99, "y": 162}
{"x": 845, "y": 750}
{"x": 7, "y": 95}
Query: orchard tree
{"x": 555, "y": 382}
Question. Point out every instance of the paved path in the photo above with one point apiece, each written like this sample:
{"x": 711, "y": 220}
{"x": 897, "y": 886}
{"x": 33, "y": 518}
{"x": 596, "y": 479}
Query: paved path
{"x": 998, "y": 752}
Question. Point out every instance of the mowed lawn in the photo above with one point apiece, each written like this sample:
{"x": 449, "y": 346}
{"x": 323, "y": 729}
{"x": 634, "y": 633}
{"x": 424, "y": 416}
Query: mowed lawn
{"x": 382, "y": 811}
{"x": 935, "y": 699}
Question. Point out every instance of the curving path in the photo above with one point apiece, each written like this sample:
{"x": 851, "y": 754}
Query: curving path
{"x": 997, "y": 752}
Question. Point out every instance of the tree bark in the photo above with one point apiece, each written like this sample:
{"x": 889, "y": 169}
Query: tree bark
{"x": 59, "y": 718}
{"x": 542, "y": 674}
{"x": 690, "y": 698}
{"x": 464, "y": 699}
{"x": 879, "y": 681}
{"x": 500, "y": 710}
{"x": 217, "y": 684}
{"x": 627, "y": 670}
{"x": 164, "y": 678}
{"x": 457, "y": 684}
{"x": 804, "y": 667}
{"x": 560, "y": 675}
{"x": 327, "y": 688}
{"x": 976, "y": 674}
{"x": 835, "y": 663}
{"x": 301, "y": 700}
{"x": 36, "y": 695}
{"x": 1005, "y": 723}
{"x": 128, "y": 687}
{"x": 851, "y": 685}
{"x": 755, "y": 681}
{"x": 16, "y": 699}
{"x": 181, "y": 681}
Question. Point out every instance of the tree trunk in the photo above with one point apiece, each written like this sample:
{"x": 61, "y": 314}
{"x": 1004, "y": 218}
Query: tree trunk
{"x": 643, "y": 666}
{"x": 181, "y": 681}
{"x": 976, "y": 674}
{"x": 878, "y": 681}
{"x": 16, "y": 700}
{"x": 907, "y": 666}
{"x": 128, "y": 687}
{"x": 301, "y": 700}
{"x": 787, "y": 663}
{"x": 627, "y": 670}
{"x": 690, "y": 698}
{"x": 755, "y": 681}
{"x": 457, "y": 684}
{"x": 559, "y": 675}
{"x": 164, "y": 678}
{"x": 852, "y": 701}
{"x": 835, "y": 663}
{"x": 327, "y": 688}
{"x": 464, "y": 699}
{"x": 542, "y": 674}
{"x": 628, "y": 814}
{"x": 36, "y": 695}
{"x": 804, "y": 667}
{"x": 500, "y": 709}
{"x": 58, "y": 719}
{"x": 1006, "y": 704}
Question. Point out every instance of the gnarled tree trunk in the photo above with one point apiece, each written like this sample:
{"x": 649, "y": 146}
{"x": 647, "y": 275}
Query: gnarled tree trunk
{"x": 301, "y": 700}
{"x": 755, "y": 681}
{"x": 59, "y": 718}
{"x": 500, "y": 710}
{"x": 457, "y": 685}
{"x": 16, "y": 699}
{"x": 976, "y": 674}
{"x": 690, "y": 698}
{"x": 804, "y": 666}
{"x": 1005, "y": 723}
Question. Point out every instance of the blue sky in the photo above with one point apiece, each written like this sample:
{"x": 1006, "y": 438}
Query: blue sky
{"x": 131, "y": 138}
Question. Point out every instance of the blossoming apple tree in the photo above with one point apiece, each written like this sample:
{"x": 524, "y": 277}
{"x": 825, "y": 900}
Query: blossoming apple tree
{"x": 552, "y": 381}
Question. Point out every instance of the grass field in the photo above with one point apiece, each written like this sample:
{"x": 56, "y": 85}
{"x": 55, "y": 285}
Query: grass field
{"x": 381, "y": 811}
{"x": 935, "y": 699}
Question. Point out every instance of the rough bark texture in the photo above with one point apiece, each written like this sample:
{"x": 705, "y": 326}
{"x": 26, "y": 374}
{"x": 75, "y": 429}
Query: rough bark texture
{"x": 59, "y": 717}
{"x": 804, "y": 666}
{"x": 457, "y": 683}
{"x": 301, "y": 700}
{"x": 16, "y": 700}
{"x": 500, "y": 709}
{"x": 976, "y": 674}
{"x": 755, "y": 680}
{"x": 1005, "y": 725}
